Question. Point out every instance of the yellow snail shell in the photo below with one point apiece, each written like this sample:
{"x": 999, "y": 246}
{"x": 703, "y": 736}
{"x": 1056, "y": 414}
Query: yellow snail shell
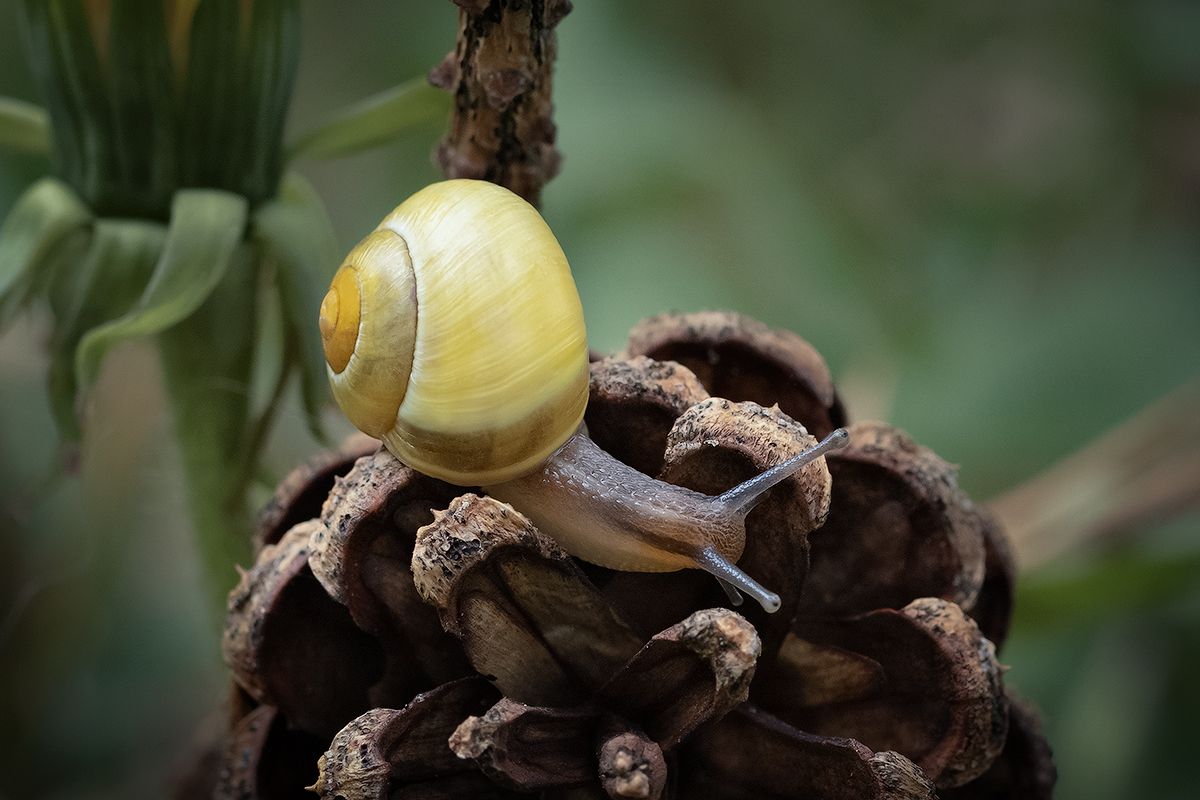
{"x": 468, "y": 359}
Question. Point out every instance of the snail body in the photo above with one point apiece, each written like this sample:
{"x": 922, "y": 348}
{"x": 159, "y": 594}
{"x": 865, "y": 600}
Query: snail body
{"x": 454, "y": 333}
{"x": 608, "y": 513}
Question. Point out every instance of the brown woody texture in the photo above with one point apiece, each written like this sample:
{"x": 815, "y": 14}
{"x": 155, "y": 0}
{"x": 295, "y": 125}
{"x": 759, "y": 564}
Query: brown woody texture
{"x": 500, "y": 73}
{"x": 411, "y": 639}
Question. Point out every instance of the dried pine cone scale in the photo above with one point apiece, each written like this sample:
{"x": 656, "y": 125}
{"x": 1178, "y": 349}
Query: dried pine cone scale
{"x": 368, "y": 528}
{"x": 741, "y": 359}
{"x": 300, "y": 495}
{"x": 291, "y": 646}
{"x": 635, "y": 685}
{"x": 992, "y": 609}
{"x": 522, "y": 610}
{"x": 562, "y": 750}
{"x": 632, "y": 405}
{"x": 403, "y": 752}
{"x": 898, "y": 516}
{"x": 1024, "y": 769}
{"x": 921, "y": 680}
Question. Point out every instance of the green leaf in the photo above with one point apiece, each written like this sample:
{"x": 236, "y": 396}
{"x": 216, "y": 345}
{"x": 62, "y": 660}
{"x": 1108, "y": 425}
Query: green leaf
{"x": 374, "y": 121}
{"x": 206, "y": 226}
{"x": 24, "y": 127}
{"x": 45, "y": 216}
{"x": 71, "y": 75}
{"x": 241, "y": 66}
{"x": 295, "y": 230}
{"x": 144, "y": 115}
{"x": 212, "y": 104}
{"x": 268, "y": 72}
{"x": 102, "y": 283}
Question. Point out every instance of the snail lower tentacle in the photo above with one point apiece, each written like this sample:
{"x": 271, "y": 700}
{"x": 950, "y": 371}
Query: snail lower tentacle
{"x": 733, "y": 580}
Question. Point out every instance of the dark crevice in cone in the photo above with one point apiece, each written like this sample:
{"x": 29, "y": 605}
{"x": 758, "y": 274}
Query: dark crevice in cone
{"x": 898, "y": 516}
{"x": 386, "y": 750}
{"x": 290, "y": 645}
{"x": 588, "y": 791}
{"x": 300, "y": 495}
{"x": 741, "y": 359}
{"x": 363, "y": 558}
{"x": 267, "y": 760}
{"x": 241, "y": 702}
{"x": 922, "y": 681}
{"x": 523, "y": 610}
{"x": 633, "y": 404}
{"x": 751, "y": 755}
{"x": 992, "y": 610}
{"x": 652, "y": 601}
{"x": 471, "y": 785}
{"x": 1025, "y": 768}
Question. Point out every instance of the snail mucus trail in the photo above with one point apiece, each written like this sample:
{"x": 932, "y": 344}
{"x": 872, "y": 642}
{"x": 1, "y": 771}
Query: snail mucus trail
{"x": 454, "y": 333}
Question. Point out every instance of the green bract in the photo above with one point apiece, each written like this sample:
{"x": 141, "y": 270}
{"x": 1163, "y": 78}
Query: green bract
{"x": 170, "y": 216}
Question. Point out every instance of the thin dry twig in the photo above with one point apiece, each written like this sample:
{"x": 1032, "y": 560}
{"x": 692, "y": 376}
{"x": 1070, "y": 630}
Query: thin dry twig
{"x": 1145, "y": 470}
{"x": 500, "y": 73}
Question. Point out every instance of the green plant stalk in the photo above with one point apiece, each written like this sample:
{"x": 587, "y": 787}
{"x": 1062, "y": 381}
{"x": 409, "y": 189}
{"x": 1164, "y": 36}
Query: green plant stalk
{"x": 207, "y": 364}
{"x": 1146, "y": 469}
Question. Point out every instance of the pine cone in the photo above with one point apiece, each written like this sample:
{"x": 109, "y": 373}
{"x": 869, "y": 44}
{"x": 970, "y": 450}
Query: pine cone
{"x": 399, "y": 638}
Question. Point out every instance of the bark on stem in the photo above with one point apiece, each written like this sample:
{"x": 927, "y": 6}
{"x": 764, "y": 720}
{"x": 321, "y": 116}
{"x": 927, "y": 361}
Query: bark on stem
{"x": 502, "y": 127}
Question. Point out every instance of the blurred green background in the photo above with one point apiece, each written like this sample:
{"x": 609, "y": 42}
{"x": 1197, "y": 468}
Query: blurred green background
{"x": 986, "y": 218}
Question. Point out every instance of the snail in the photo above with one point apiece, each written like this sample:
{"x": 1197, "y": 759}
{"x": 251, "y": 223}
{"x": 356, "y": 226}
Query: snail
{"x": 453, "y": 332}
